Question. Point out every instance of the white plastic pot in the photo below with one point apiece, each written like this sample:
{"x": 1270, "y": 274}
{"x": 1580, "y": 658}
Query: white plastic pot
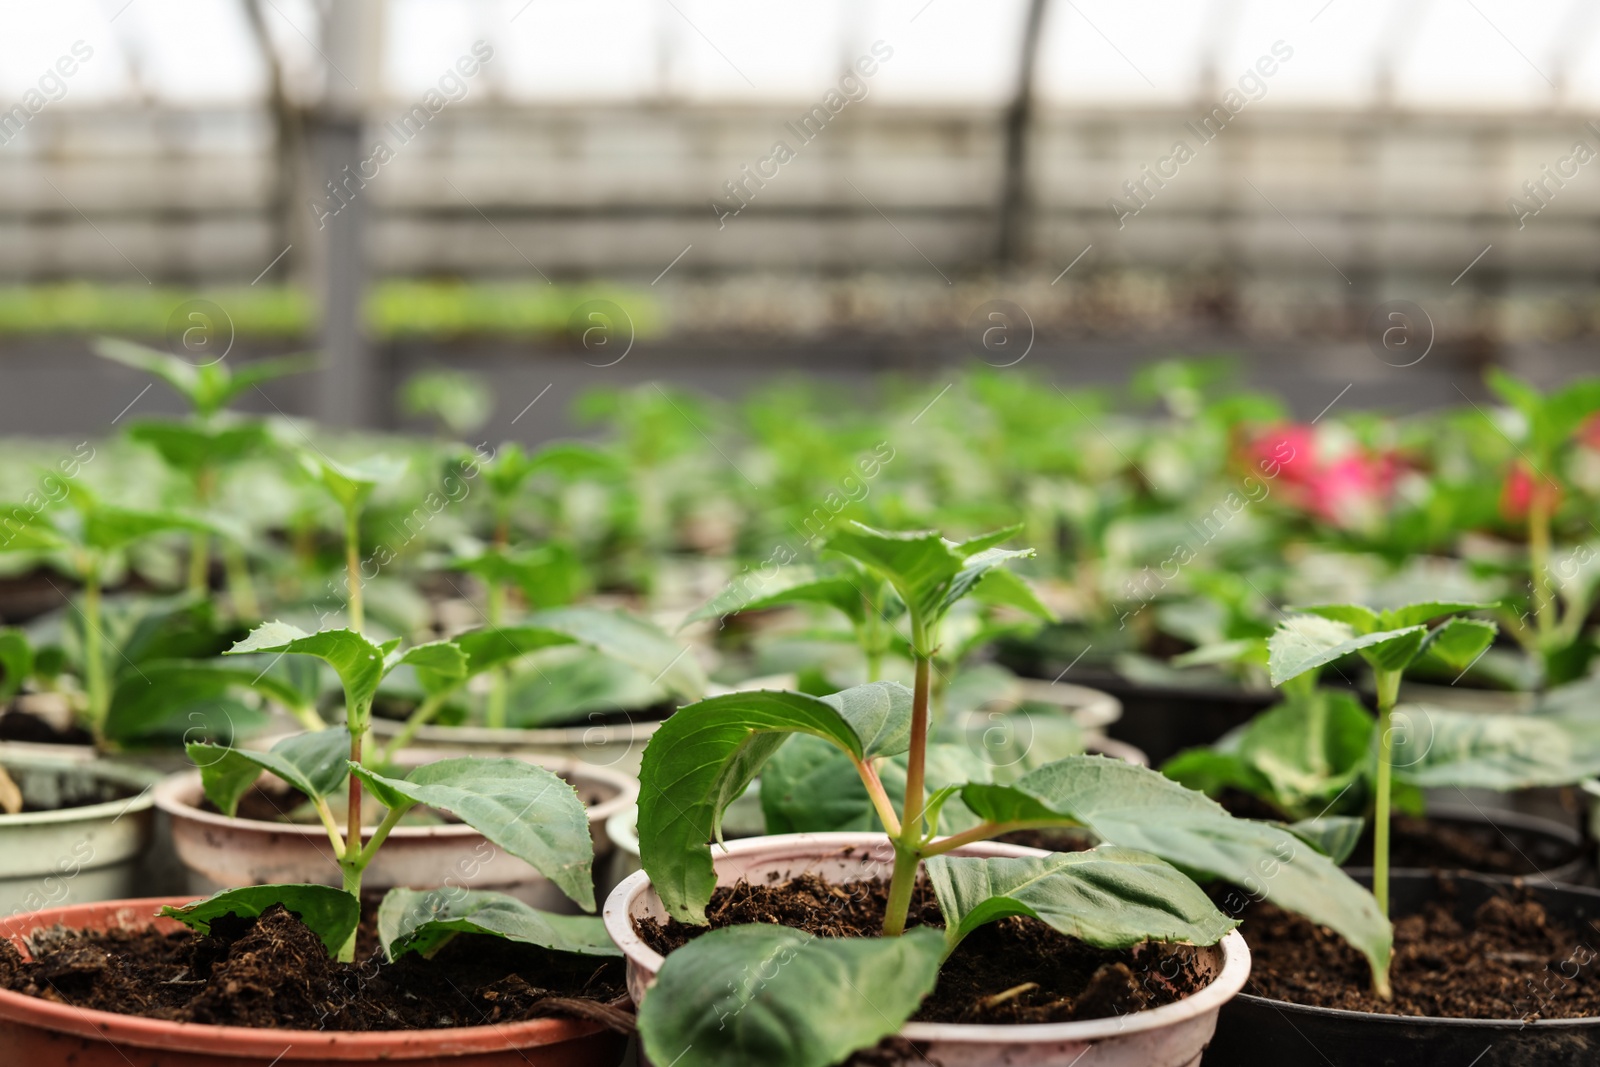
{"x": 219, "y": 852}
{"x": 1174, "y": 1035}
{"x": 79, "y": 854}
{"x": 615, "y": 746}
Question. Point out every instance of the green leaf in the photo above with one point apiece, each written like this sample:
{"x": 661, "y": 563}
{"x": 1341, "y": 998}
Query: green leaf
{"x": 110, "y": 528}
{"x": 524, "y": 808}
{"x": 1109, "y": 897}
{"x": 810, "y": 786}
{"x": 791, "y": 585}
{"x": 412, "y": 920}
{"x": 1305, "y": 642}
{"x": 549, "y": 576}
{"x": 1309, "y": 751}
{"x": 442, "y": 659}
{"x": 492, "y": 646}
{"x": 16, "y": 662}
{"x": 1459, "y": 642}
{"x": 190, "y": 448}
{"x": 1335, "y": 836}
{"x": 640, "y": 644}
{"x": 358, "y": 662}
{"x": 162, "y": 693}
{"x": 28, "y": 529}
{"x": 182, "y": 376}
{"x": 248, "y": 375}
{"x": 1138, "y": 808}
{"x": 561, "y": 686}
{"x": 928, "y": 572}
{"x": 313, "y": 763}
{"x": 1427, "y": 611}
{"x": 880, "y": 715}
{"x": 702, "y": 759}
{"x": 1003, "y": 587}
{"x": 1360, "y": 619}
{"x": 352, "y": 484}
{"x": 331, "y": 913}
{"x": 780, "y": 997}
{"x": 1435, "y": 748}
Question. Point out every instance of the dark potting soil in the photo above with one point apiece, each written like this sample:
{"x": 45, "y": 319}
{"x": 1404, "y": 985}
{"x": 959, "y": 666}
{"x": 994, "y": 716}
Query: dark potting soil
{"x": 18, "y": 725}
{"x": 274, "y": 972}
{"x": 1013, "y": 971}
{"x": 1512, "y": 961}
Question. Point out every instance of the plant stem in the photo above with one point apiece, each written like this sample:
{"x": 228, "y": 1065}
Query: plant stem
{"x": 880, "y": 797}
{"x": 495, "y": 709}
{"x": 94, "y": 665}
{"x": 352, "y": 869}
{"x": 240, "y": 586}
{"x": 1388, "y": 691}
{"x": 391, "y": 819}
{"x": 985, "y": 831}
{"x": 199, "y": 562}
{"x": 352, "y": 840}
{"x": 902, "y": 883}
{"x": 911, "y": 823}
{"x": 1539, "y": 556}
{"x": 352, "y": 563}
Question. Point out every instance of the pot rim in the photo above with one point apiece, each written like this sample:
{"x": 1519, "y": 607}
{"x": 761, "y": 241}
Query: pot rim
{"x": 113, "y": 1027}
{"x": 1383, "y": 1019}
{"x": 1227, "y": 983}
{"x": 144, "y": 781}
{"x": 178, "y": 795}
{"x": 517, "y": 737}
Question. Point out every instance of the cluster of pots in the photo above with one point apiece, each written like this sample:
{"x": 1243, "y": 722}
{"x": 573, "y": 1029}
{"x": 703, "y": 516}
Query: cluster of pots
{"x": 114, "y": 832}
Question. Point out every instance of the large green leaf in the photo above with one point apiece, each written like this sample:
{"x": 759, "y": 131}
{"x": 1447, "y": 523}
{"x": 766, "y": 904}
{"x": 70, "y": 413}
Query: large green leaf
{"x": 1107, "y": 896}
{"x": 191, "y": 447}
{"x": 358, "y": 662}
{"x": 184, "y": 377}
{"x": 699, "y": 762}
{"x": 1424, "y": 612}
{"x": 16, "y": 662}
{"x": 791, "y": 585}
{"x": 111, "y": 528}
{"x": 1440, "y": 749}
{"x": 28, "y": 529}
{"x": 523, "y": 808}
{"x": 780, "y": 997}
{"x": 1335, "y": 836}
{"x": 423, "y": 920}
{"x": 492, "y": 646}
{"x": 562, "y": 686}
{"x": 1305, "y": 642}
{"x": 313, "y": 763}
{"x": 331, "y": 913}
{"x": 1138, "y": 808}
{"x": 1309, "y": 751}
{"x": 1459, "y": 642}
{"x": 631, "y": 640}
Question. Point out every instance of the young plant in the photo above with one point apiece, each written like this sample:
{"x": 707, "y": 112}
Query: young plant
{"x": 520, "y": 807}
{"x": 90, "y": 539}
{"x": 206, "y": 443}
{"x": 1562, "y": 593}
{"x": 1135, "y": 886}
{"x": 1389, "y": 641}
{"x": 351, "y": 485}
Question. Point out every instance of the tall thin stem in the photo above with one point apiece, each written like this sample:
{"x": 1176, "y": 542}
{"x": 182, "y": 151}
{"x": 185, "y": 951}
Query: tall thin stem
{"x": 352, "y": 562}
{"x": 901, "y": 884}
{"x": 495, "y": 709}
{"x": 94, "y": 664}
{"x": 352, "y": 837}
{"x": 1539, "y": 503}
{"x": 1388, "y": 692}
{"x": 911, "y": 823}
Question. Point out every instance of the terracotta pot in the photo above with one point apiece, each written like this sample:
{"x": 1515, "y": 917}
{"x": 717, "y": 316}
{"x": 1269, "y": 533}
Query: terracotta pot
{"x": 39, "y": 1032}
{"x": 220, "y": 852}
{"x": 1174, "y": 1035}
{"x": 73, "y": 854}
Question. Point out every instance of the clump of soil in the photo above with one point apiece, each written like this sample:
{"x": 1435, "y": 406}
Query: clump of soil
{"x": 1014, "y": 971}
{"x": 1511, "y": 961}
{"x": 273, "y": 971}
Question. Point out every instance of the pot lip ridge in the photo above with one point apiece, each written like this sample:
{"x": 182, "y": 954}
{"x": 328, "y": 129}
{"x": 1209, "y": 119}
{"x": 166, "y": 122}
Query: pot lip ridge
{"x": 178, "y": 795}
{"x": 245, "y": 1041}
{"x": 122, "y": 774}
{"x": 1227, "y": 983}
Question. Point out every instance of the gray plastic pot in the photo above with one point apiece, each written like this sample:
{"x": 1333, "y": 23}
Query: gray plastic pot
{"x": 86, "y": 851}
{"x": 221, "y": 852}
{"x": 1174, "y": 1035}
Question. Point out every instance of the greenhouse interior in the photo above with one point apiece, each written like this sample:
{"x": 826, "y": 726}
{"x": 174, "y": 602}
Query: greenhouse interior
{"x": 871, "y": 532}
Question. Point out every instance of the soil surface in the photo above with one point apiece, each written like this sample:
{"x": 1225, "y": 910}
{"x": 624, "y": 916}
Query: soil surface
{"x": 1013, "y": 971}
{"x": 274, "y": 972}
{"x": 1511, "y": 961}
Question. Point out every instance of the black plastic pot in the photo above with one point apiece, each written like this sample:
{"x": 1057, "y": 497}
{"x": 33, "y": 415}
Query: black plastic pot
{"x": 1556, "y": 853}
{"x": 1164, "y": 721}
{"x": 1253, "y": 1031}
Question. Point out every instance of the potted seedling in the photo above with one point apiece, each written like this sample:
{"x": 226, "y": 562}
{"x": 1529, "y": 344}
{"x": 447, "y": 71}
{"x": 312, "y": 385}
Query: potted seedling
{"x": 776, "y": 992}
{"x": 1478, "y": 961}
{"x": 296, "y": 943}
{"x": 206, "y": 445}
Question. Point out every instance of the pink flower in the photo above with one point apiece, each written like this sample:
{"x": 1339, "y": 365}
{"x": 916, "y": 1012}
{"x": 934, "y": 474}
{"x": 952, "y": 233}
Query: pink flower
{"x": 1518, "y": 491}
{"x": 1346, "y": 490}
